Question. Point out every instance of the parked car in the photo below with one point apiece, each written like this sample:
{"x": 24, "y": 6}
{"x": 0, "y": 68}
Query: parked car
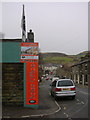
{"x": 47, "y": 78}
{"x": 63, "y": 87}
{"x": 50, "y": 78}
{"x": 54, "y": 78}
{"x": 39, "y": 79}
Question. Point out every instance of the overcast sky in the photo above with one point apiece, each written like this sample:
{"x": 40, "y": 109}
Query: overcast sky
{"x": 58, "y": 26}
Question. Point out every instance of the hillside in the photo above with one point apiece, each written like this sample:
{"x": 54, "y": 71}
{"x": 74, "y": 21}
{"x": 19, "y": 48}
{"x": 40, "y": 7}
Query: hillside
{"x": 82, "y": 54}
{"x": 61, "y": 58}
{"x": 53, "y": 54}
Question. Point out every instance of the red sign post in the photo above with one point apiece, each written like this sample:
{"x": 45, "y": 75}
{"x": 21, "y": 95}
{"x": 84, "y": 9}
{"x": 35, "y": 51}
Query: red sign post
{"x": 29, "y": 55}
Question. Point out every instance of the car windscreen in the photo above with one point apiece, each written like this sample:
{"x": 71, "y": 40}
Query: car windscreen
{"x": 65, "y": 83}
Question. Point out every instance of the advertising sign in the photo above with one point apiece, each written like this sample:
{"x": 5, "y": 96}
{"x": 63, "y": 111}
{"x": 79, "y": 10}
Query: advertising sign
{"x": 29, "y": 55}
{"x": 29, "y": 51}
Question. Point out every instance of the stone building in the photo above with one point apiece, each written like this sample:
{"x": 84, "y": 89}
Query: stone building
{"x": 80, "y": 72}
{"x": 12, "y": 72}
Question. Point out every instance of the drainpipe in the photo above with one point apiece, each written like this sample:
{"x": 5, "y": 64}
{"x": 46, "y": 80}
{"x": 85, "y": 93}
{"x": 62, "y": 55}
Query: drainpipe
{"x": 74, "y": 78}
{"x": 83, "y": 79}
{"x": 78, "y": 79}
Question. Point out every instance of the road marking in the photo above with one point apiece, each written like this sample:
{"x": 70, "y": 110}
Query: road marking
{"x": 77, "y": 99}
{"x": 79, "y": 103}
{"x": 80, "y": 108}
{"x": 67, "y": 115}
{"x": 70, "y": 118}
{"x": 64, "y": 108}
{"x": 25, "y": 116}
{"x": 6, "y": 116}
{"x": 58, "y": 107}
{"x": 41, "y": 115}
{"x": 83, "y": 92}
{"x": 82, "y": 102}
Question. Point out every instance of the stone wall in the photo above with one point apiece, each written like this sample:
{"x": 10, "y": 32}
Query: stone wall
{"x": 12, "y": 83}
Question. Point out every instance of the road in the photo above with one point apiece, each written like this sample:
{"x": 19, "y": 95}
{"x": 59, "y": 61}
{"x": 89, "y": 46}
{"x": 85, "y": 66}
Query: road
{"x": 77, "y": 108}
{"x": 51, "y": 108}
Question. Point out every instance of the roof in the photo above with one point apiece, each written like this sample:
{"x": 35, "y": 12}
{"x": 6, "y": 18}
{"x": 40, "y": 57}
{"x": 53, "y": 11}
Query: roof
{"x": 11, "y": 40}
{"x": 82, "y": 62}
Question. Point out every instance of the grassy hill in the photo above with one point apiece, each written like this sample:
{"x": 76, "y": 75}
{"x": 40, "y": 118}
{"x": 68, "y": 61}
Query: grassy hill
{"x": 61, "y": 58}
{"x": 58, "y": 60}
{"x": 53, "y": 54}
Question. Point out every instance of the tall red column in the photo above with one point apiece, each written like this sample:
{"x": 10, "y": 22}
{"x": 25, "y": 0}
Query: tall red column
{"x": 29, "y": 55}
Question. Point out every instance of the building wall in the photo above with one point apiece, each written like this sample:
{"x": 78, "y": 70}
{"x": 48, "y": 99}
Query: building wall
{"x": 12, "y": 73}
{"x": 80, "y": 73}
{"x": 12, "y": 83}
{"x": 11, "y": 52}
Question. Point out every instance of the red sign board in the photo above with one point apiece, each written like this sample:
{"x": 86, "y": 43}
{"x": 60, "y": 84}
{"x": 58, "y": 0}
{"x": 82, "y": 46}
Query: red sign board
{"x": 29, "y": 55}
{"x": 29, "y": 51}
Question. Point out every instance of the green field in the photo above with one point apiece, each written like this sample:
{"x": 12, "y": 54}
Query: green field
{"x": 58, "y": 59}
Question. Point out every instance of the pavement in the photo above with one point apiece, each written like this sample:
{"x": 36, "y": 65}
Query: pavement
{"x": 82, "y": 86}
{"x": 47, "y": 106}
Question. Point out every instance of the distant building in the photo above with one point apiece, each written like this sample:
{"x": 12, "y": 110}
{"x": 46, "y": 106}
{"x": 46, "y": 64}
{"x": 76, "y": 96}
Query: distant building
{"x": 80, "y": 72}
{"x": 63, "y": 71}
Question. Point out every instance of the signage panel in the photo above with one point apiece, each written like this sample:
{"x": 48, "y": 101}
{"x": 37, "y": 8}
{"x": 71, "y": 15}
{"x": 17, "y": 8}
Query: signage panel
{"x": 29, "y": 51}
{"x": 29, "y": 55}
{"x": 31, "y": 83}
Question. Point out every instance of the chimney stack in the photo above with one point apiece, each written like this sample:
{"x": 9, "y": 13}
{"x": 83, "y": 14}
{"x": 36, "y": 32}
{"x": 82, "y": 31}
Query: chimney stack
{"x": 30, "y": 36}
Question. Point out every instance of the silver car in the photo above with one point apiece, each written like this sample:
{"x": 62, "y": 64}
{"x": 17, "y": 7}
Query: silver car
{"x": 63, "y": 87}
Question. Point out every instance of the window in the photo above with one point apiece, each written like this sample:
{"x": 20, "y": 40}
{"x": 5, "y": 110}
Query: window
{"x": 86, "y": 78}
{"x": 86, "y": 67}
{"x": 65, "y": 83}
{"x": 76, "y": 77}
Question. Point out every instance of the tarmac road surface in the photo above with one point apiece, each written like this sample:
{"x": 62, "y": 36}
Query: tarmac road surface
{"x": 51, "y": 108}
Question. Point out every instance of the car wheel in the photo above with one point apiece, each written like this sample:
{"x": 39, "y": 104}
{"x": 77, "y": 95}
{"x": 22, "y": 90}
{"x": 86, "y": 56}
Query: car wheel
{"x": 73, "y": 97}
{"x": 55, "y": 97}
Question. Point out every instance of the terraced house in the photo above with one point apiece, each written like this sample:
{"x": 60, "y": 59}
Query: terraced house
{"x": 80, "y": 71}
